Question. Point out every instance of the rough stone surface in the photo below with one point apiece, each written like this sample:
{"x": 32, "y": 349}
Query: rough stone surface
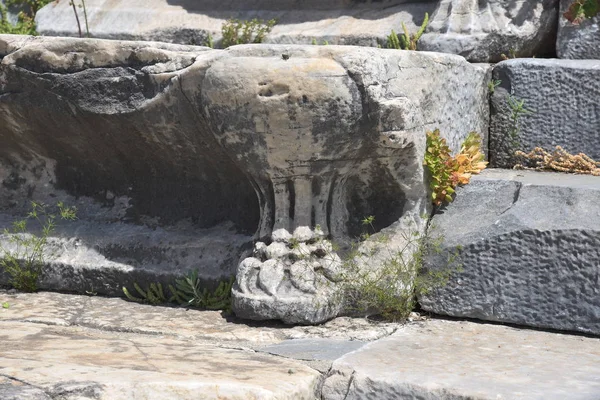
{"x": 295, "y": 281}
{"x": 68, "y": 347}
{"x": 104, "y": 126}
{"x": 90, "y": 364}
{"x": 15, "y": 390}
{"x": 530, "y": 251}
{"x": 479, "y": 31}
{"x": 581, "y": 41}
{"x": 483, "y": 31}
{"x": 313, "y": 349}
{"x": 464, "y": 360}
{"x": 165, "y": 147}
{"x": 561, "y": 95}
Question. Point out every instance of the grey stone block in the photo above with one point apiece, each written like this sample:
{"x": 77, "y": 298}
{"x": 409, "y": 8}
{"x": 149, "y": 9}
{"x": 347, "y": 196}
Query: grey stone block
{"x": 530, "y": 251}
{"x": 562, "y": 96}
{"x": 580, "y": 41}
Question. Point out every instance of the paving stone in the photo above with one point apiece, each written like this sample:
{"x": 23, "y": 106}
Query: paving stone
{"x": 452, "y": 360}
{"x": 111, "y": 365}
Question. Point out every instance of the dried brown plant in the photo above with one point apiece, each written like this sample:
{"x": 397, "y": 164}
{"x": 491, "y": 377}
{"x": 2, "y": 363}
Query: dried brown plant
{"x": 559, "y": 160}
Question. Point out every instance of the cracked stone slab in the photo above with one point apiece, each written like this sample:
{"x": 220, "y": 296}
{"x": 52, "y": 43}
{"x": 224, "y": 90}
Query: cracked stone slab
{"x": 530, "y": 251}
{"x": 80, "y": 363}
{"x": 550, "y": 89}
{"x": 455, "y": 360}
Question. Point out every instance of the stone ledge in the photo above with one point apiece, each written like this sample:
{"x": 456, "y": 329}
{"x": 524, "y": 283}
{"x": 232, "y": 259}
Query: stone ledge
{"x": 530, "y": 251}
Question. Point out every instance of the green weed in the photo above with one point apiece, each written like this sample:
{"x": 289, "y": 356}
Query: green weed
{"x": 407, "y": 41}
{"x": 237, "y": 31}
{"x": 24, "y": 259}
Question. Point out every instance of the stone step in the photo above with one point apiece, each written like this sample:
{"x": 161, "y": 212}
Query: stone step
{"x": 58, "y": 346}
{"x": 561, "y": 96}
{"x": 481, "y": 33}
{"x": 530, "y": 250}
{"x": 441, "y": 359}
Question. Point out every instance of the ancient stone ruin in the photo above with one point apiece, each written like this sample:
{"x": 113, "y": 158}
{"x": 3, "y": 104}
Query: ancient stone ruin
{"x": 277, "y": 165}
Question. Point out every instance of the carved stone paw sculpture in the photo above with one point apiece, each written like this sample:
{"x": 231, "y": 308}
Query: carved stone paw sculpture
{"x": 294, "y": 279}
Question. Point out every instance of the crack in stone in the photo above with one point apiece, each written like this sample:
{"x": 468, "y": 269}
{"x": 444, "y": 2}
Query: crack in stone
{"x": 350, "y": 382}
{"x": 516, "y": 197}
{"x": 23, "y": 382}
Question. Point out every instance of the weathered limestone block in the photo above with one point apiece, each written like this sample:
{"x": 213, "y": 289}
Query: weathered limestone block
{"x": 295, "y": 279}
{"x": 106, "y": 127}
{"x": 330, "y": 135}
{"x": 178, "y": 156}
{"x": 349, "y": 22}
{"x": 483, "y": 31}
{"x": 581, "y": 42}
{"x": 562, "y": 97}
{"x": 479, "y": 31}
{"x": 530, "y": 251}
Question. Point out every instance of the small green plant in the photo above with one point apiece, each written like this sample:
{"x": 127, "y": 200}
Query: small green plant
{"x": 393, "y": 41}
{"x": 237, "y": 31}
{"x": 386, "y": 281}
{"x": 315, "y": 43}
{"x": 580, "y": 10}
{"x": 493, "y": 84}
{"x": 25, "y": 256}
{"x": 6, "y": 305}
{"x": 447, "y": 171}
{"x": 152, "y": 295}
{"x": 25, "y": 20}
{"x": 517, "y": 111}
{"x": 407, "y": 41}
{"x": 186, "y": 291}
{"x": 209, "y": 41}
